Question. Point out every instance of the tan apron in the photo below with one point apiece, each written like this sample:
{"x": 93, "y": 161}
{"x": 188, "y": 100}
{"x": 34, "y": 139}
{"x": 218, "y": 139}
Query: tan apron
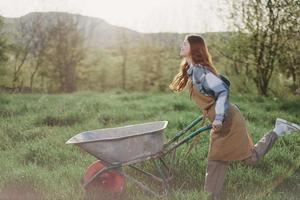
{"x": 232, "y": 142}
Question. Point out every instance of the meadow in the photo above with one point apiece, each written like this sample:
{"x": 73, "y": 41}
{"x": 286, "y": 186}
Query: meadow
{"x": 35, "y": 162}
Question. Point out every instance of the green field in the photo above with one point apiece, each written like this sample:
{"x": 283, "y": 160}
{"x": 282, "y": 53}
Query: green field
{"x": 35, "y": 162}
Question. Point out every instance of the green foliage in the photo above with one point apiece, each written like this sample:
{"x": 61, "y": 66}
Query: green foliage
{"x": 266, "y": 44}
{"x": 35, "y": 160}
{"x": 63, "y": 58}
{"x": 3, "y": 49}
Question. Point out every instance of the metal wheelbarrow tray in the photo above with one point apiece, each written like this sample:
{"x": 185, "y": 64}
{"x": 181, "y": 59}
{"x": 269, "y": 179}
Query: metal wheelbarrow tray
{"x": 125, "y": 144}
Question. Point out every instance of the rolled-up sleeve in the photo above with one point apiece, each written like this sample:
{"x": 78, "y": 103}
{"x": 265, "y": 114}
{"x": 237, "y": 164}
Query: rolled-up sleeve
{"x": 221, "y": 94}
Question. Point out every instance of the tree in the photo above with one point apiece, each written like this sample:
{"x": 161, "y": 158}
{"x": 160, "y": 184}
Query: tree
{"x": 67, "y": 51}
{"x": 3, "y": 49}
{"x": 263, "y": 22}
{"x": 146, "y": 64}
{"x": 152, "y": 54}
{"x": 20, "y": 50}
{"x": 289, "y": 62}
{"x": 124, "y": 45}
{"x": 159, "y": 51}
{"x": 40, "y": 31}
{"x": 28, "y": 42}
{"x": 289, "y": 59}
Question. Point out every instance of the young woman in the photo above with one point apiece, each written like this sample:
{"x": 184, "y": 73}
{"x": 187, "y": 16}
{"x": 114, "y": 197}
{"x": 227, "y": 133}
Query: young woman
{"x": 229, "y": 137}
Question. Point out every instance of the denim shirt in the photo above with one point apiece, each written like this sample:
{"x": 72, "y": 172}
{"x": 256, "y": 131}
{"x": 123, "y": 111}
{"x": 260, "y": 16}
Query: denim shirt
{"x": 210, "y": 85}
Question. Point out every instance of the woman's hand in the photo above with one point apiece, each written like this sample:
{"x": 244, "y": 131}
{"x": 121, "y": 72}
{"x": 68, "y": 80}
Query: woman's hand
{"x": 216, "y": 125}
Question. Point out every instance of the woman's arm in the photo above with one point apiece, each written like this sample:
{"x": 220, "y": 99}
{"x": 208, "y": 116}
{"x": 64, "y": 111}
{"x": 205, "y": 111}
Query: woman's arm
{"x": 221, "y": 94}
{"x": 208, "y": 83}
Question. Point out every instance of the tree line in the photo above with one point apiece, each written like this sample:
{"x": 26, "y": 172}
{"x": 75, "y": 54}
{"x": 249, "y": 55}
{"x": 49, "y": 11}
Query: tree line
{"x": 43, "y": 49}
{"x": 51, "y": 55}
{"x": 266, "y": 42}
{"x": 261, "y": 56}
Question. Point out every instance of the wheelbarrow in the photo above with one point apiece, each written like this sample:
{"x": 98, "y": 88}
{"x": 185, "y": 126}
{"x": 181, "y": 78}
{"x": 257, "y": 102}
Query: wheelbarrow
{"x": 129, "y": 145}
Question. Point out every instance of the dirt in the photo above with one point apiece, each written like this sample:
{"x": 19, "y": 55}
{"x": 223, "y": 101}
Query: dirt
{"x": 17, "y": 191}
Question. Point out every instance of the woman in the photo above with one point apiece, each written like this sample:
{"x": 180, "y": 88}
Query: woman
{"x": 229, "y": 137}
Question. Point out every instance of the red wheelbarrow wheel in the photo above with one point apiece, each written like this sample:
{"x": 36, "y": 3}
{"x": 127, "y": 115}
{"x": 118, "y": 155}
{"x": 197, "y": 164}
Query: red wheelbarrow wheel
{"x": 111, "y": 182}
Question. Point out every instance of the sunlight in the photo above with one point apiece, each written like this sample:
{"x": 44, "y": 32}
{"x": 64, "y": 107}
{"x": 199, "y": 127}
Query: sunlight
{"x": 139, "y": 15}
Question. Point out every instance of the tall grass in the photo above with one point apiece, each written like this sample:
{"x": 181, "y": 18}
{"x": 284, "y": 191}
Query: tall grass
{"x": 35, "y": 162}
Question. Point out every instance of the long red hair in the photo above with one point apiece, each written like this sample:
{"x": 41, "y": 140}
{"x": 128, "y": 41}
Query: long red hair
{"x": 200, "y": 55}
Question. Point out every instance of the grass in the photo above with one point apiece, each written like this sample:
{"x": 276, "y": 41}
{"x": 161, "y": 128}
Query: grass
{"x": 35, "y": 162}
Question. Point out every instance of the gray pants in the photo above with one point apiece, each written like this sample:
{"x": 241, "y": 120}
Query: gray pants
{"x": 216, "y": 170}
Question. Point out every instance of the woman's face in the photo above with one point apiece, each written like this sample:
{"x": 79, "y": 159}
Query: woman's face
{"x": 185, "y": 48}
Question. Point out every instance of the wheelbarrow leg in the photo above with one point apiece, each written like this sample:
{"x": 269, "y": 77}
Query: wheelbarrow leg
{"x": 162, "y": 175}
{"x": 141, "y": 185}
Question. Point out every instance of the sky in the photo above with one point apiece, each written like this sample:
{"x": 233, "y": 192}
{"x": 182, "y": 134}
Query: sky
{"x": 182, "y": 16}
